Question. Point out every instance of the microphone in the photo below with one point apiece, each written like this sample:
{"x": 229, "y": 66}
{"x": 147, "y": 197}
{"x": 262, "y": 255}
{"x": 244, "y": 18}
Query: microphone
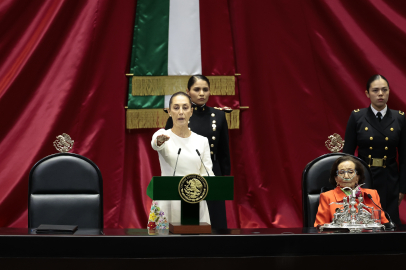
{"x": 197, "y": 151}
{"x": 391, "y": 225}
{"x": 176, "y": 162}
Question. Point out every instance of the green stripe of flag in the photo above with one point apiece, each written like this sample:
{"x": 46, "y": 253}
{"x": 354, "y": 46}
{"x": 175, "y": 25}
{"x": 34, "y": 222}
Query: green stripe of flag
{"x": 150, "y": 49}
{"x": 145, "y": 102}
{"x": 150, "y": 42}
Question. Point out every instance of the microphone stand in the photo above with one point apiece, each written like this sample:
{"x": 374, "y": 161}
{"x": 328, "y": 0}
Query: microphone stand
{"x": 176, "y": 162}
{"x": 389, "y": 225}
{"x": 197, "y": 151}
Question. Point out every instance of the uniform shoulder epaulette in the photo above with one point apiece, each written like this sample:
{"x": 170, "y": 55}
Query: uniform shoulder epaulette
{"x": 401, "y": 113}
{"x": 226, "y": 109}
{"x": 357, "y": 110}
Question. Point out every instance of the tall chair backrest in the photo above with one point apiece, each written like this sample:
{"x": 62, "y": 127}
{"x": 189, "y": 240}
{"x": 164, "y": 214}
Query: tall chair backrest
{"x": 65, "y": 189}
{"x": 315, "y": 181}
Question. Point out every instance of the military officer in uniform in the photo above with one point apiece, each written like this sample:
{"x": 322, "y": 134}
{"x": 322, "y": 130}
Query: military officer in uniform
{"x": 210, "y": 123}
{"x": 380, "y": 134}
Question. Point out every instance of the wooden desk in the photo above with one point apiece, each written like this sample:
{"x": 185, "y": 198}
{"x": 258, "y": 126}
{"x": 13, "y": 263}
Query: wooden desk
{"x": 239, "y": 248}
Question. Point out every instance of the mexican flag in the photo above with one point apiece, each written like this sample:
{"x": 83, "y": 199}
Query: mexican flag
{"x": 174, "y": 39}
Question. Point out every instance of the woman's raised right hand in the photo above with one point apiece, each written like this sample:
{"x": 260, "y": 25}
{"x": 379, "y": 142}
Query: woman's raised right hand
{"x": 161, "y": 139}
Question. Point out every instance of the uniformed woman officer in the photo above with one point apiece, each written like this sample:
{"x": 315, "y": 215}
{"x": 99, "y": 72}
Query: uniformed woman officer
{"x": 380, "y": 134}
{"x": 210, "y": 123}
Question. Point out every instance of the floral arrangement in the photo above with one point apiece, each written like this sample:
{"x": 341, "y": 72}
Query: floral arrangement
{"x": 157, "y": 222}
{"x": 358, "y": 193}
{"x": 347, "y": 192}
{"x": 162, "y": 222}
{"x": 154, "y": 212}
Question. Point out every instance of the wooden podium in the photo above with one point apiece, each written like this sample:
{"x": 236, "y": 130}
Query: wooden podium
{"x": 166, "y": 188}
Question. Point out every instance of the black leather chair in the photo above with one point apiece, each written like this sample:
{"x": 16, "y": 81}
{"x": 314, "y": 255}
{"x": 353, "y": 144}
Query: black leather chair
{"x": 315, "y": 181}
{"x": 65, "y": 189}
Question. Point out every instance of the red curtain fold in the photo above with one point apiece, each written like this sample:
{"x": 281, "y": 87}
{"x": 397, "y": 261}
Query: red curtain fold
{"x": 217, "y": 47}
{"x": 216, "y": 38}
{"x": 62, "y": 70}
{"x": 304, "y": 65}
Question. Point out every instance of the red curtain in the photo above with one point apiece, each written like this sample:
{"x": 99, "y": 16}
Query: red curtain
{"x": 304, "y": 65}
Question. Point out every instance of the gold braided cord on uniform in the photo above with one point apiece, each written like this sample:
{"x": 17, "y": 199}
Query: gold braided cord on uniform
{"x": 168, "y": 85}
{"x": 156, "y": 118}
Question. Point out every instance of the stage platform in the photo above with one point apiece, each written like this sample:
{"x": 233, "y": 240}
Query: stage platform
{"x": 240, "y": 248}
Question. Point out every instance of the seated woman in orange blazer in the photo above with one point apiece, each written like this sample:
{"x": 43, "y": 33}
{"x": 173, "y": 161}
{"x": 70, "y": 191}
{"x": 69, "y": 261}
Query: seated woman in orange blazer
{"x": 346, "y": 172}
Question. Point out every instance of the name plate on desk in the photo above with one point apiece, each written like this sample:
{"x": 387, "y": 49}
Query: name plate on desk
{"x": 56, "y": 229}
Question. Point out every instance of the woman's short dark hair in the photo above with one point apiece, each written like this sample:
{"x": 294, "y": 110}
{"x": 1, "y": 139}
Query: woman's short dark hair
{"x": 179, "y": 94}
{"x": 195, "y": 78}
{"x": 358, "y": 167}
{"x": 374, "y": 78}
